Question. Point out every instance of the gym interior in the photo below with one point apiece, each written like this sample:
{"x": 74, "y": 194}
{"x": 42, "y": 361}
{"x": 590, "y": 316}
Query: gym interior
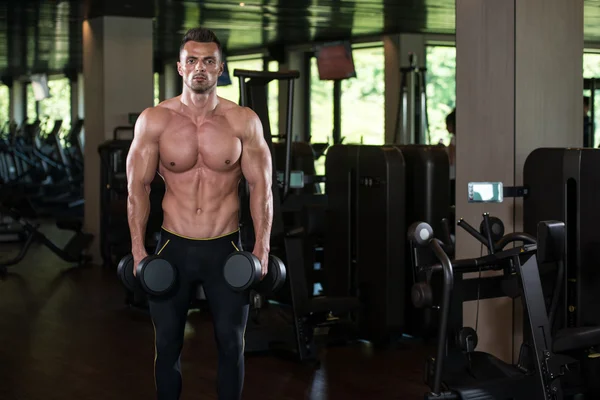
{"x": 425, "y": 252}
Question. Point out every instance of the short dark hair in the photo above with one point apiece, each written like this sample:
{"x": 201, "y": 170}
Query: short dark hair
{"x": 201, "y": 35}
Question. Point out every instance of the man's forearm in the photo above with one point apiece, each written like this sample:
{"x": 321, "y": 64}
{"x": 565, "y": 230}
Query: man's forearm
{"x": 138, "y": 211}
{"x": 261, "y": 209}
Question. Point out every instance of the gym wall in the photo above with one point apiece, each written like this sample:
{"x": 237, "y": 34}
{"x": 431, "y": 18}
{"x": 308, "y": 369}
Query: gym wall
{"x": 518, "y": 88}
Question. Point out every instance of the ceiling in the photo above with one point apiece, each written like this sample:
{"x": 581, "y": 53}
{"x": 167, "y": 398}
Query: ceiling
{"x": 45, "y": 35}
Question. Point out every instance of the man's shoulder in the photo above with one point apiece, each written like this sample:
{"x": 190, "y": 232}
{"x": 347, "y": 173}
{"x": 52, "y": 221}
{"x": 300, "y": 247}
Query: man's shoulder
{"x": 153, "y": 120}
{"x": 239, "y": 114}
{"x": 166, "y": 106}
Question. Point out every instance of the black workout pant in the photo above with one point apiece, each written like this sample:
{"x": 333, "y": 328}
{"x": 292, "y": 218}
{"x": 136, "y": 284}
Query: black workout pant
{"x": 199, "y": 261}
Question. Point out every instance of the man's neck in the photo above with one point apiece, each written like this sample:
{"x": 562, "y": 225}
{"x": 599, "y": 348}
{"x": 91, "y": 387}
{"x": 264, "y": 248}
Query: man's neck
{"x": 201, "y": 103}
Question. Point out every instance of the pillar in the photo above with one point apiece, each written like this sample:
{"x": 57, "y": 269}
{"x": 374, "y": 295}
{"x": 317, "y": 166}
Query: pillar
{"x": 18, "y": 102}
{"x": 396, "y": 53}
{"x": 519, "y": 87}
{"x": 118, "y": 80}
{"x": 173, "y": 83}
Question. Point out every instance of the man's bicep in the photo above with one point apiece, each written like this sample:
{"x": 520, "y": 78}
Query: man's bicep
{"x": 256, "y": 156}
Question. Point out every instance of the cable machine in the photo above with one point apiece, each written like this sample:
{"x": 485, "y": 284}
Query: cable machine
{"x": 591, "y": 84}
{"x": 411, "y": 122}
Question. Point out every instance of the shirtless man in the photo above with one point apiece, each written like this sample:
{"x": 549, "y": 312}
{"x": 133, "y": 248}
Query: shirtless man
{"x": 201, "y": 145}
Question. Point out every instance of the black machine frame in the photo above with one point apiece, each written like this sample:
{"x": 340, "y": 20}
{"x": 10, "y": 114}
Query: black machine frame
{"x": 528, "y": 381}
{"x": 307, "y": 313}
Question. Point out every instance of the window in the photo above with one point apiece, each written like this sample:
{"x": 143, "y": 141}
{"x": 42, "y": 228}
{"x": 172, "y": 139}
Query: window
{"x": 31, "y": 105}
{"x": 441, "y": 90}
{"x": 321, "y": 106}
{"x": 55, "y": 107}
{"x": 591, "y": 69}
{"x": 362, "y": 103}
{"x": 363, "y": 99}
{"x": 232, "y": 92}
{"x": 4, "y": 104}
{"x": 156, "y": 88}
{"x": 321, "y": 112}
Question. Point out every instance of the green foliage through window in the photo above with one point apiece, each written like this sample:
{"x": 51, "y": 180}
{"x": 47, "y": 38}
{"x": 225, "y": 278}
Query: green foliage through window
{"x": 441, "y": 90}
{"x": 55, "y": 107}
{"x": 362, "y": 103}
{"x": 591, "y": 69}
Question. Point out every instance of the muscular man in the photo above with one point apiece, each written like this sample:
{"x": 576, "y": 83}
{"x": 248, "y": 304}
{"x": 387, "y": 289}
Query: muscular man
{"x": 201, "y": 145}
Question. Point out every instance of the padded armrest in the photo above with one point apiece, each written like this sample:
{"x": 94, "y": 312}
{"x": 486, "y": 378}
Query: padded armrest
{"x": 571, "y": 339}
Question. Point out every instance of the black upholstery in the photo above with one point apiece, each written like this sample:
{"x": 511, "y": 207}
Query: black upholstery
{"x": 551, "y": 241}
{"x": 571, "y": 339}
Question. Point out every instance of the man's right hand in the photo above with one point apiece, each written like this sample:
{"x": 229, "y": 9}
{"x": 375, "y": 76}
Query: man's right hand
{"x": 137, "y": 259}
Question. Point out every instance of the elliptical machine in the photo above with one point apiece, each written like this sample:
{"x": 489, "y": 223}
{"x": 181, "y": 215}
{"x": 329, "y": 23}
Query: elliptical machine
{"x": 458, "y": 371}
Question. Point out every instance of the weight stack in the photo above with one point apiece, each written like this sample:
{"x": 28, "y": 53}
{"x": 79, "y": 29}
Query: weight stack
{"x": 564, "y": 185}
{"x": 427, "y": 185}
{"x": 366, "y": 234}
{"x": 340, "y": 239}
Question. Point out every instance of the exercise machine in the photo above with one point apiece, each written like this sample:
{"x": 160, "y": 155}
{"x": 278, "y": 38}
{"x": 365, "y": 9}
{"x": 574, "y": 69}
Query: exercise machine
{"x": 458, "y": 371}
{"x": 411, "y": 122}
{"x": 564, "y": 184}
{"x": 591, "y": 84}
{"x": 303, "y": 313}
{"x": 73, "y": 252}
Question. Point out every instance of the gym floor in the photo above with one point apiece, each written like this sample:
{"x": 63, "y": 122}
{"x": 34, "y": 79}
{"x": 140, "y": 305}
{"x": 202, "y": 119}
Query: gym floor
{"x": 65, "y": 333}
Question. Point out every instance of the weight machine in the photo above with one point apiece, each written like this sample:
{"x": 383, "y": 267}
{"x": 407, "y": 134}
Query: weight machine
{"x": 592, "y": 85}
{"x": 411, "y": 120}
{"x": 302, "y": 313}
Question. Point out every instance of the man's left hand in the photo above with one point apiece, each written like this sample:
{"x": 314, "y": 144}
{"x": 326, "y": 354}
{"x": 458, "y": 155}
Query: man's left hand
{"x": 263, "y": 257}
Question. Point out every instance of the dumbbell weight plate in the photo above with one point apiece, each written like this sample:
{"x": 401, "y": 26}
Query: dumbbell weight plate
{"x": 242, "y": 270}
{"x": 275, "y": 277}
{"x": 156, "y": 275}
{"x": 275, "y": 264}
{"x": 421, "y": 295}
{"x": 125, "y": 272}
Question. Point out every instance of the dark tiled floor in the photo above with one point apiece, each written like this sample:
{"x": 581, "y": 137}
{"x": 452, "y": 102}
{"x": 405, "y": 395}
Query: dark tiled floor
{"x": 65, "y": 333}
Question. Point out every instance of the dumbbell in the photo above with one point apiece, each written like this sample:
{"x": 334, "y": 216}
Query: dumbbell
{"x": 155, "y": 275}
{"x": 242, "y": 271}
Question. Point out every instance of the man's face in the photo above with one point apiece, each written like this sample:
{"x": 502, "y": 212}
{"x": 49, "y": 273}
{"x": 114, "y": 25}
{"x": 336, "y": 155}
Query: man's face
{"x": 200, "y": 66}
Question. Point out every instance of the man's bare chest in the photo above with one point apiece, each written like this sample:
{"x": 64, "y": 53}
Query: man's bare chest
{"x": 211, "y": 143}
